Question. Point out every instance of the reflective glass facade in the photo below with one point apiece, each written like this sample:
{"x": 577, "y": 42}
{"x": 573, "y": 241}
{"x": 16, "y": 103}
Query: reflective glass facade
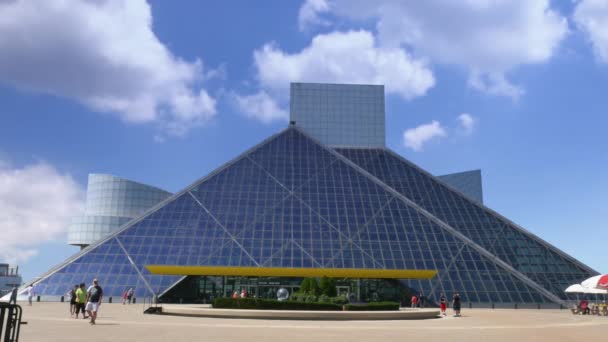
{"x": 467, "y": 182}
{"x": 542, "y": 263}
{"x": 293, "y": 202}
{"x": 345, "y": 115}
{"x": 111, "y": 202}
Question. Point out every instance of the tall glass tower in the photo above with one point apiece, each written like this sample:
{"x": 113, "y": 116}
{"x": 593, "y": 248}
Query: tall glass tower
{"x": 111, "y": 202}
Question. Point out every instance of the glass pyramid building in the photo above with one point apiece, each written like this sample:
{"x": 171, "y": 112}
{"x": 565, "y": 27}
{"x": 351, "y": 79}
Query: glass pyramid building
{"x": 295, "y": 202}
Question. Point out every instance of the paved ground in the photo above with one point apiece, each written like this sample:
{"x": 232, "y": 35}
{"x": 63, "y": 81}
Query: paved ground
{"x": 51, "y": 322}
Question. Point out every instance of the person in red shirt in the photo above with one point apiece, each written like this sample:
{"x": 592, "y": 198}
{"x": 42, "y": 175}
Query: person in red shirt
{"x": 414, "y": 301}
{"x": 584, "y": 305}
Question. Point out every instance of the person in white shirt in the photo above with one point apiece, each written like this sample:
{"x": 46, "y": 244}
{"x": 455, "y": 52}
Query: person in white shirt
{"x": 94, "y": 297}
{"x": 30, "y": 293}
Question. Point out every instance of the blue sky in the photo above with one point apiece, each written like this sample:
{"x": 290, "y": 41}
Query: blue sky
{"x": 163, "y": 93}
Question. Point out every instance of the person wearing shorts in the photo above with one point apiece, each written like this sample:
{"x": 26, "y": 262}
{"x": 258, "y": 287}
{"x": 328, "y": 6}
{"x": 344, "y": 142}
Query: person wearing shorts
{"x": 443, "y": 304}
{"x": 94, "y": 296}
{"x": 456, "y": 304}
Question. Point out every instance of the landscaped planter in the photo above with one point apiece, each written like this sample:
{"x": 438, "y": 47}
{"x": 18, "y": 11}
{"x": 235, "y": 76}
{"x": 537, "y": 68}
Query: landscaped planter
{"x": 269, "y": 304}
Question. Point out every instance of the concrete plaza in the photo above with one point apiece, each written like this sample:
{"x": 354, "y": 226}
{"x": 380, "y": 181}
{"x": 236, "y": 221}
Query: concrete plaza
{"x": 116, "y": 322}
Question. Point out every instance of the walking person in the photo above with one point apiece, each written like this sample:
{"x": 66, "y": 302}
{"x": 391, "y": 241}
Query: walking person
{"x": 30, "y": 293}
{"x": 421, "y": 300}
{"x": 456, "y": 304}
{"x": 414, "y": 301}
{"x": 130, "y": 295}
{"x": 94, "y": 297}
{"x": 72, "y": 294}
{"x": 443, "y": 303}
{"x": 124, "y": 297}
{"x": 81, "y": 299}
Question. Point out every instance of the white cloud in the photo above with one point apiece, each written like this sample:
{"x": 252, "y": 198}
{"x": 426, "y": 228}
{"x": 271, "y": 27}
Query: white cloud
{"x": 105, "y": 55}
{"x": 37, "y": 205}
{"x": 591, "y": 16}
{"x": 415, "y": 138}
{"x": 309, "y": 14}
{"x": 488, "y": 37}
{"x": 344, "y": 57}
{"x": 494, "y": 83}
{"x": 467, "y": 123}
{"x": 260, "y": 106}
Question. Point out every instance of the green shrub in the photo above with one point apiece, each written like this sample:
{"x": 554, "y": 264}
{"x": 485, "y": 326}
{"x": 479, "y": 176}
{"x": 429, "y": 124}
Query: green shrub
{"x": 271, "y": 304}
{"x": 338, "y": 300}
{"x": 324, "y": 298}
{"x": 309, "y": 286}
{"x": 377, "y": 306}
{"x": 311, "y": 299}
{"x": 299, "y": 297}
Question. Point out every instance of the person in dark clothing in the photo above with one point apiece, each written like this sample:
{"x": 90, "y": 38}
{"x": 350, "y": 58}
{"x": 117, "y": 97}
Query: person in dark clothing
{"x": 421, "y": 300}
{"x": 130, "y": 295}
{"x": 72, "y": 294}
{"x": 456, "y": 304}
{"x": 13, "y": 299}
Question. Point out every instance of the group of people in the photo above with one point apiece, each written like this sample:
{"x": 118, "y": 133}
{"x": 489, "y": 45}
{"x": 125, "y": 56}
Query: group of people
{"x": 243, "y": 294}
{"x": 127, "y": 296}
{"x": 443, "y": 304}
{"x": 88, "y": 300}
{"x": 418, "y": 302}
{"x": 584, "y": 307}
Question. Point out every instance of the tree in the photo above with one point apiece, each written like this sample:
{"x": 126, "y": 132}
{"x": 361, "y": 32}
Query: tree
{"x": 309, "y": 286}
{"x": 305, "y": 286}
{"x": 314, "y": 287}
{"x": 328, "y": 287}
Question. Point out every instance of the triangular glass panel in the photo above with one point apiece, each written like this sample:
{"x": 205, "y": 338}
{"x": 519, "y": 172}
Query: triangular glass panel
{"x": 236, "y": 196}
{"x": 343, "y": 197}
{"x": 292, "y": 158}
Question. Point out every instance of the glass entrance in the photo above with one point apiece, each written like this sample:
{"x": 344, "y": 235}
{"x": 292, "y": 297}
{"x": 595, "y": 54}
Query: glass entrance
{"x": 203, "y": 289}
